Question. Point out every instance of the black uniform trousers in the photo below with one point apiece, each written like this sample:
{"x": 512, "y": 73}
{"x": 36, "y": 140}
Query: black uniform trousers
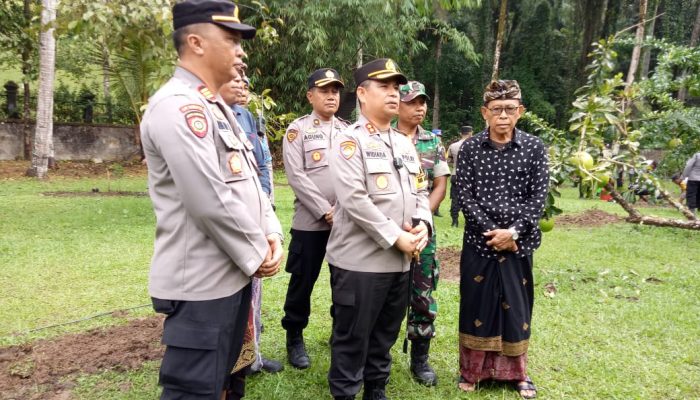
{"x": 306, "y": 252}
{"x": 454, "y": 204}
{"x": 692, "y": 194}
{"x": 203, "y": 340}
{"x": 369, "y": 308}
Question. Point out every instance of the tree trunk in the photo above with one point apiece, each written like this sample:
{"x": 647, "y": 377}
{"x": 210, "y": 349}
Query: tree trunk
{"x": 638, "y": 39}
{"x": 43, "y": 135}
{"x": 636, "y": 217}
{"x": 592, "y": 13}
{"x": 694, "y": 36}
{"x": 106, "y": 82}
{"x": 26, "y": 66}
{"x": 436, "y": 94}
{"x": 502, "y": 14}
{"x": 646, "y": 57}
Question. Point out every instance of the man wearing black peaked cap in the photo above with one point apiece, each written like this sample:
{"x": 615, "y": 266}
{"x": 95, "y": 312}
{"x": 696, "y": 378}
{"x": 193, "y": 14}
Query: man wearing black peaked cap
{"x": 376, "y": 176}
{"x": 201, "y": 174}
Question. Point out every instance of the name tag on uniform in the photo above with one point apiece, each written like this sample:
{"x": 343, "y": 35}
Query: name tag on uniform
{"x": 313, "y": 136}
{"x": 376, "y": 154}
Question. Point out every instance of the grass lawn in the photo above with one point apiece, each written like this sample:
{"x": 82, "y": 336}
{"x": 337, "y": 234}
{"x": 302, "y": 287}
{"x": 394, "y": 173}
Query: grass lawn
{"x": 609, "y": 331}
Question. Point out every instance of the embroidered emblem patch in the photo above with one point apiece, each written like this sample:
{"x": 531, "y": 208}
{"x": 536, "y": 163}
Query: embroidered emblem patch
{"x": 195, "y": 119}
{"x": 347, "y": 149}
{"x": 291, "y": 135}
{"x": 316, "y": 156}
{"x": 234, "y": 163}
{"x": 382, "y": 182}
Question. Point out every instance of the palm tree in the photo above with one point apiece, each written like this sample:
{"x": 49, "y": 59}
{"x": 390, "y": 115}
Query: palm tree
{"x": 43, "y": 134}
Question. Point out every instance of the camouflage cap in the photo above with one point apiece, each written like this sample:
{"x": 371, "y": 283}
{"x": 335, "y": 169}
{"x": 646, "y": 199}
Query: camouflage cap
{"x": 411, "y": 90}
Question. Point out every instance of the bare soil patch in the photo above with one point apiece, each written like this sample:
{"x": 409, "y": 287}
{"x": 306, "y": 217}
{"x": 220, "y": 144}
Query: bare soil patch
{"x": 589, "y": 218}
{"x": 45, "y": 369}
{"x": 73, "y": 169}
{"x": 449, "y": 263}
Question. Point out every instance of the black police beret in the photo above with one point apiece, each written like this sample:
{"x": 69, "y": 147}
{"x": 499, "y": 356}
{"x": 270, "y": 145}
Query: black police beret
{"x": 324, "y": 76}
{"x": 223, "y": 13}
{"x": 379, "y": 70}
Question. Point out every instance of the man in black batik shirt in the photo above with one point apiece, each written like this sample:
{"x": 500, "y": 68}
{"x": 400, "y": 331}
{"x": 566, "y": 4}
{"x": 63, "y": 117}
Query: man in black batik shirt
{"x": 502, "y": 181}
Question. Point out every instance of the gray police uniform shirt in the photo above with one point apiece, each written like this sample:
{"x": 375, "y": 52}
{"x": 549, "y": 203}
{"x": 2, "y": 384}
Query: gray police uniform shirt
{"x": 692, "y": 168}
{"x": 305, "y": 151}
{"x": 212, "y": 217}
{"x": 452, "y": 153}
{"x": 374, "y": 198}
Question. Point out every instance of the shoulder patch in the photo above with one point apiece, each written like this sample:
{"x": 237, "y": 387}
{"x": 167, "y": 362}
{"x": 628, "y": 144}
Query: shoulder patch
{"x": 347, "y": 149}
{"x": 195, "y": 119}
{"x": 292, "y": 134}
{"x": 204, "y": 91}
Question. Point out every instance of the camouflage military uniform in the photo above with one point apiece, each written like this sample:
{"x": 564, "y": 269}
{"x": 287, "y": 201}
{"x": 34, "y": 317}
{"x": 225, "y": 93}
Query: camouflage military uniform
{"x": 425, "y": 277}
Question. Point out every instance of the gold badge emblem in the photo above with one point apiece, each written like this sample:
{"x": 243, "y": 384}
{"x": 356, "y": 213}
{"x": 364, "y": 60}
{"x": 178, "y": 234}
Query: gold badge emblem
{"x": 234, "y": 163}
{"x": 292, "y": 134}
{"x": 382, "y": 182}
{"x": 329, "y": 74}
{"x": 317, "y": 122}
{"x": 347, "y": 149}
{"x": 316, "y": 156}
{"x": 390, "y": 65}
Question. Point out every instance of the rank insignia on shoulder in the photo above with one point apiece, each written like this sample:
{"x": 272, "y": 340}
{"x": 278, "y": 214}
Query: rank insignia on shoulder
{"x": 204, "y": 91}
{"x": 317, "y": 122}
{"x": 371, "y": 128}
{"x": 292, "y": 134}
{"x": 195, "y": 119}
{"x": 347, "y": 149}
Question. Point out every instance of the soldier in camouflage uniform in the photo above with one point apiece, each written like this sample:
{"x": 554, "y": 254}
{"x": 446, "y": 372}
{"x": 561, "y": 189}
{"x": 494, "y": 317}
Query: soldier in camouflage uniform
{"x": 412, "y": 111}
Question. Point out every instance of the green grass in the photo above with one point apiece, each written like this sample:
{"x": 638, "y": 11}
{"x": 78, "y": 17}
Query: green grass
{"x": 609, "y": 332}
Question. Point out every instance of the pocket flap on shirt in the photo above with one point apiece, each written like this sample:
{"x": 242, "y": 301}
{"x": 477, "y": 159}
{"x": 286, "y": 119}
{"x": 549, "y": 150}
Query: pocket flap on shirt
{"x": 378, "y": 166}
{"x": 412, "y": 167}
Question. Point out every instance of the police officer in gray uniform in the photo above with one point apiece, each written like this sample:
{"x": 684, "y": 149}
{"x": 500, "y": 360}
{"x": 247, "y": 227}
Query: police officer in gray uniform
{"x": 215, "y": 227}
{"x": 377, "y": 179}
{"x": 305, "y": 150}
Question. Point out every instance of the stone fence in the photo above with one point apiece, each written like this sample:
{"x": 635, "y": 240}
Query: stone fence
{"x": 73, "y": 141}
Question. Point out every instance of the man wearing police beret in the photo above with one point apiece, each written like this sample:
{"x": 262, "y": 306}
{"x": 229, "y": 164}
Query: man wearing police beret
{"x": 305, "y": 150}
{"x": 201, "y": 175}
{"x": 381, "y": 220}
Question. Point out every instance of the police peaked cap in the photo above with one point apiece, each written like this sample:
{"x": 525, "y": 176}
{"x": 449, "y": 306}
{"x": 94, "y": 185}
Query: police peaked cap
{"x": 223, "y": 13}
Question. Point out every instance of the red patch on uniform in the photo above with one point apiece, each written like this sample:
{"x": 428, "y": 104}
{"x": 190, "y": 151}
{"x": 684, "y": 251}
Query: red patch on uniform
{"x": 197, "y": 122}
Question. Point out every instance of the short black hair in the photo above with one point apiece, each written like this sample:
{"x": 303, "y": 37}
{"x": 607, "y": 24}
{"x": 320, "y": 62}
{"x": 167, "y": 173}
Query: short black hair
{"x": 179, "y": 36}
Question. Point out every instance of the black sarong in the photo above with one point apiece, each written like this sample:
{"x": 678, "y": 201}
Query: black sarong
{"x": 496, "y": 299}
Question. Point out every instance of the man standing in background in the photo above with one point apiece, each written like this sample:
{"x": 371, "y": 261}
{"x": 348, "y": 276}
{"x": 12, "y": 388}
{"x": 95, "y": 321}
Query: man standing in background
{"x": 453, "y": 150}
{"x": 305, "y": 150}
{"x": 423, "y": 307}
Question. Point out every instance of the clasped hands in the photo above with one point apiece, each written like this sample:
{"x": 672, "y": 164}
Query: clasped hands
{"x": 273, "y": 259}
{"x": 414, "y": 239}
{"x": 501, "y": 240}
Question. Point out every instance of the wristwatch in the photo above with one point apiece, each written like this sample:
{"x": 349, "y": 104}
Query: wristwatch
{"x": 513, "y": 233}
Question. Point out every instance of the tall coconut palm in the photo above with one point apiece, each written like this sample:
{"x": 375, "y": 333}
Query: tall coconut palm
{"x": 43, "y": 134}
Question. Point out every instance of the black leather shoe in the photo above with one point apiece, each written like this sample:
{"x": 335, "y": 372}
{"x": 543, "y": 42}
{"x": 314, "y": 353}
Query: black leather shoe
{"x": 271, "y": 366}
{"x": 422, "y": 372}
{"x": 296, "y": 351}
{"x": 374, "y": 390}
